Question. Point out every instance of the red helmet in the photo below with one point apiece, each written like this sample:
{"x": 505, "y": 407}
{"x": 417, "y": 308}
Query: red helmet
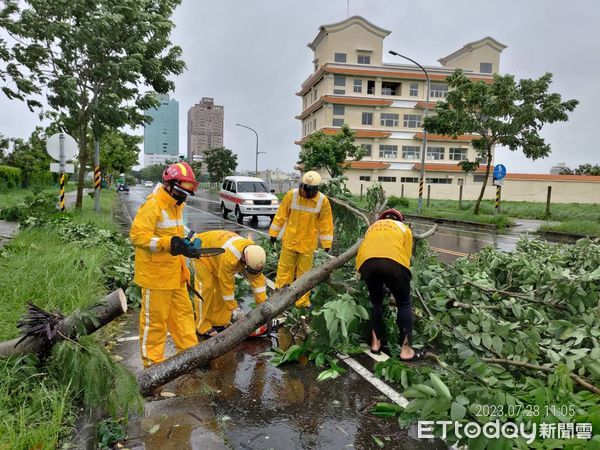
{"x": 182, "y": 176}
{"x": 391, "y": 214}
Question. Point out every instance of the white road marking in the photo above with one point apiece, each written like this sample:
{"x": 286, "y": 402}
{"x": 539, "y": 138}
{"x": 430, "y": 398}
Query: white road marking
{"x": 379, "y": 358}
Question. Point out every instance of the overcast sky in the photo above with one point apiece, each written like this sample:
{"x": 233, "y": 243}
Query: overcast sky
{"x": 251, "y": 57}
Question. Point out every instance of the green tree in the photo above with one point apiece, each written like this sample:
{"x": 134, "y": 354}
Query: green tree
{"x": 504, "y": 112}
{"x": 153, "y": 172}
{"x": 197, "y": 168}
{"x": 4, "y": 141}
{"x": 330, "y": 152}
{"x": 30, "y": 156}
{"x": 119, "y": 151}
{"x": 94, "y": 58}
{"x": 220, "y": 162}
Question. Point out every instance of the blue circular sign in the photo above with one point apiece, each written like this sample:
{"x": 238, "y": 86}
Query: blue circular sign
{"x": 499, "y": 172}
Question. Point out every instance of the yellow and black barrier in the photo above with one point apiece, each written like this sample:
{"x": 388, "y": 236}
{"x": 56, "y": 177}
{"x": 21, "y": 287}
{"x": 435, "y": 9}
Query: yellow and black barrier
{"x": 498, "y": 193}
{"x": 97, "y": 178}
{"x": 421, "y": 184}
{"x": 61, "y": 193}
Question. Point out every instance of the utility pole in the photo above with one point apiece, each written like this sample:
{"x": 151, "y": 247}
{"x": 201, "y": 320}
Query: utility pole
{"x": 257, "y": 152}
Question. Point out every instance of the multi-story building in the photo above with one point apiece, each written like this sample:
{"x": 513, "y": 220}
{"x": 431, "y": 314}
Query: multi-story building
{"x": 205, "y": 128}
{"x": 161, "y": 136}
{"x": 384, "y": 104}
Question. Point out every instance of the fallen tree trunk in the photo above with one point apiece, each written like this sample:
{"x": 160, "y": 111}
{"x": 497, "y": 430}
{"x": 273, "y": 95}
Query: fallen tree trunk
{"x": 84, "y": 321}
{"x": 195, "y": 357}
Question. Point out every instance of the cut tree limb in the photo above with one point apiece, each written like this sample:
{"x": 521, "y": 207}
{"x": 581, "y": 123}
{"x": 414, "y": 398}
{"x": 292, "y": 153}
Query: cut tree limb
{"x": 576, "y": 378}
{"x": 520, "y": 295}
{"x": 87, "y": 320}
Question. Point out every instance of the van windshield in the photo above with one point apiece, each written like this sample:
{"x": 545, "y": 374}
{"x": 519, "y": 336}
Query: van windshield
{"x": 251, "y": 186}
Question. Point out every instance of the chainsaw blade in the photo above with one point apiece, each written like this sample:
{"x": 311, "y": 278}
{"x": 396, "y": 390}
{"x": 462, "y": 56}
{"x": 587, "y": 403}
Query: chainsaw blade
{"x": 211, "y": 251}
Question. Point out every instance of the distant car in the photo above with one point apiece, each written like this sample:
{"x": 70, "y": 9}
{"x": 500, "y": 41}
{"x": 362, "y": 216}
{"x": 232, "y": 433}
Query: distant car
{"x": 122, "y": 188}
{"x": 148, "y": 184}
{"x": 247, "y": 196}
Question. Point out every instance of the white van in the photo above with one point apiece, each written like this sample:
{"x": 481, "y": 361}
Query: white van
{"x": 247, "y": 196}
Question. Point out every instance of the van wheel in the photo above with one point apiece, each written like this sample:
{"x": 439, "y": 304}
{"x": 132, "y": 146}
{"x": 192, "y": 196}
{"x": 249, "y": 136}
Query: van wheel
{"x": 224, "y": 211}
{"x": 254, "y": 219}
{"x": 239, "y": 215}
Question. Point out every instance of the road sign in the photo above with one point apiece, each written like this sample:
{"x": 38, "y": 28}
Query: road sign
{"x": 498, "y": 182}
{"x": 55, "y": 167}
{"x": 69, "y": 147}
{"x": 499, "y": 172}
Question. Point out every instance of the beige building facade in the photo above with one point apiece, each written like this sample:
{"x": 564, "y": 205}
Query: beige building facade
{"x": 204, "y": 128}
{"x": 384, "y": 103}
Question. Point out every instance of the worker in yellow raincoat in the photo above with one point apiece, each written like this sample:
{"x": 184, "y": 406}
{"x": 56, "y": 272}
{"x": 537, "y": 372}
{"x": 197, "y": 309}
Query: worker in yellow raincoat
{"x": 384, "y": 260}
{"x": 304, "y": 218}
{"x": 160, "y": 269}
{"x": 214, "y": 278}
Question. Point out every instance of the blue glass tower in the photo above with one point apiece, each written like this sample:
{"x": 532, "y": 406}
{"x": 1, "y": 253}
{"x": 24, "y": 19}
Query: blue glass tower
{"x": 161, "y": 136}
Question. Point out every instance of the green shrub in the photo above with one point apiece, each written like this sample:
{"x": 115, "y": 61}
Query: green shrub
{"x": 397, "y": 202}
{"x": 10, "y": 178}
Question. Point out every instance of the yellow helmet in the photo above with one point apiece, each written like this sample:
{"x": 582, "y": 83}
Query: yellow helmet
{"x": 311, "y": 178}
{"x": 254, "y": 259}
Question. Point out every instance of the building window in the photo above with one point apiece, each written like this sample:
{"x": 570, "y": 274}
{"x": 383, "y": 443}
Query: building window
{"x": 414, "y": 89}
{"x": 390, "y": 88}
{"x": 367, "y": 118}
{"x": 483, "y": 159}
{"x": 388, "y": 151}
{"x": 485, "y": 67}
{"x": 338, "y": 122}
{"x": 410, "y": 152}
{"x": 478, "y": 178}
{"x": 339, "y": 91}
{"x": 457, "y": 154}
{"x": 438, "y": 180}
{"x": 314, "y": 124}
{"x": 338, "y": 110}
{"x": 340, "y": 57}
{"x": 412, "y": 121}
{"x": 409, "y": 179}
{"x": 436, "y": 153}
{"x": 339, "y": 80}
{"x": 364, "y": 59}
{"x": 389, "y": 120}
{"x": 371, "y": 87}
{"x": 367, "y": 149}
{"x": 387, "y": 179}
{"x": 358, "y": 86}
{"x": 364, "y": 178}
{"x": 438, "y": 90}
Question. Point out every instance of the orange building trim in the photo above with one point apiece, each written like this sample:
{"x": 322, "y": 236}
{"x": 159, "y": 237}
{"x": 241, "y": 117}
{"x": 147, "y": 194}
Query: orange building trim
{"x": 359, "y": 101}
{"x": 367, "y": 165}
{"x": 444, "y": 138}
{"x": 552, "y": 177}
{"x": 359, "y": 134}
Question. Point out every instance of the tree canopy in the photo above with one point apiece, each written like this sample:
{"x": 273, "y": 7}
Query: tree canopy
{"x": 330, "y": 152}
{"x": 220, "y": 162}
{"x": 583, "y": 169}
{"x": 504, "y": 112}
{"x": 119, "y": 151}
{"x": 31, "y": 158}
{"x": 95, "y": 59}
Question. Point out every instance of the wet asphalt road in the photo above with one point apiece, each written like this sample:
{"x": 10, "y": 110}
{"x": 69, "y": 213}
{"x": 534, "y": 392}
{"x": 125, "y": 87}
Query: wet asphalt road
{"x": 242, "y": 401}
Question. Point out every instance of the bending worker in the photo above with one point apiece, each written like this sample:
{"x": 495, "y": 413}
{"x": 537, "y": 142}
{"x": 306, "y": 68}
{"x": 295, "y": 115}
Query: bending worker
{"x": 384, "y": 260}
{"x": 160, "y": 269}
{"x": 214, "y": 278}
{"x": 305, "y": 217}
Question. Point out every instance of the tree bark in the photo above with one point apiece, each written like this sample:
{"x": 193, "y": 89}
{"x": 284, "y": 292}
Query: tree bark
{"x": 89, "y": 320}
{"x": 82, "y": 163}
{"x": 195, "y": 357}
{"x": 487, "y": 174}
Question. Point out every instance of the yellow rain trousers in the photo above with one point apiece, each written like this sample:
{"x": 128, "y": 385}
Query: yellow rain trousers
{"x": 166, "y": 305}
{"x": 214, "y": 279}
{"x": 302, "y": 222}
{"x": 386, "y": 239}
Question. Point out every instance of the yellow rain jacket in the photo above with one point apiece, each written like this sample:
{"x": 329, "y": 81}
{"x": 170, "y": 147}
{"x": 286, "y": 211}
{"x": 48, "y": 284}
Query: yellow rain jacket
{"x": 214, "y": 279}
{"x": 304, "y": 221}
{"x": 157, "y": 220}
{"x": 386, "y": 239}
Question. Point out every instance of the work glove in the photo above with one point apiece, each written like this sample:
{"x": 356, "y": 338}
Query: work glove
{"x": 231, "y": 305}
{"x": 180, "y": 247}
{"x": 273, "y": 239}
{"x": 194, "y": 243}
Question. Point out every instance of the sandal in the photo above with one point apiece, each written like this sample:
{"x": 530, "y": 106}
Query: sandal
{"x": 418, "y": 355}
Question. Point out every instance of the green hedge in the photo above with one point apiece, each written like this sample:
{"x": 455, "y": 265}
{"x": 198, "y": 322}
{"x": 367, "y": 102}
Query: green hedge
{"x": 10, "y": 178}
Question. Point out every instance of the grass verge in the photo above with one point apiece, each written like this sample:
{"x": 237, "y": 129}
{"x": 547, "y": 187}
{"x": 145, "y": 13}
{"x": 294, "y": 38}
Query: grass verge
{"x": 38, "y": 400}
{"x": 579, "y": 228}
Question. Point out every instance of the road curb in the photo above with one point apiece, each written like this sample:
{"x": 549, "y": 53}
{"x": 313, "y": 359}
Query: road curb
{"x": 485, "y": 226}
{"x": 569, "y": 237}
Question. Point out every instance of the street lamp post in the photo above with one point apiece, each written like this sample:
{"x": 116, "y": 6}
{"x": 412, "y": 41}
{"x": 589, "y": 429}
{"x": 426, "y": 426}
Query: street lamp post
{"x": 257, "y": 152}
{"x": 422, "y": 176}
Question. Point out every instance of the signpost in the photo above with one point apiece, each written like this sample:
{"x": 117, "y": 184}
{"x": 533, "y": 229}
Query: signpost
{"x": 61, "y": 147}
{"x": 499, "y": 174}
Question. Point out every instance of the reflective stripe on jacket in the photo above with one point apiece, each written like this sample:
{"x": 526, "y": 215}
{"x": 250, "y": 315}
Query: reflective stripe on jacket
{"x": 157, "y": 220}
{"x": 386, "y": 239}
{"x": 305, "y": 221}
{"x": 225, "y": 266}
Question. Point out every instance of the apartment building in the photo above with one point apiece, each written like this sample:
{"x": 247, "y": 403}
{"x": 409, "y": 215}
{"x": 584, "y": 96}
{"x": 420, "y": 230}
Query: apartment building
{"x": 161, "y": 136}
{"x": 384, "y": 103}
{"x": 205, "y": 128}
